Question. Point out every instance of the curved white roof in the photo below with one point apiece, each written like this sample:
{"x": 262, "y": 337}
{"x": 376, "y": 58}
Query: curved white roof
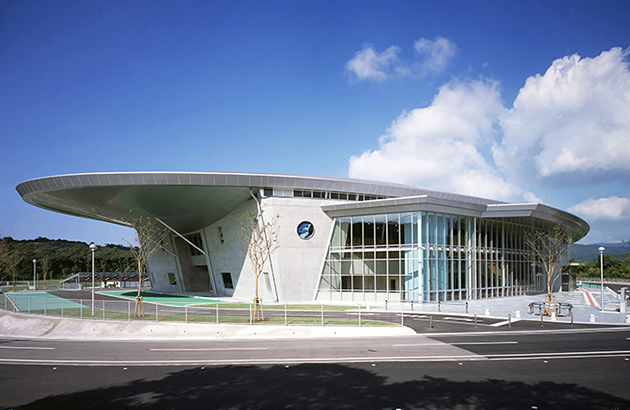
{"x": 188, "y": 201}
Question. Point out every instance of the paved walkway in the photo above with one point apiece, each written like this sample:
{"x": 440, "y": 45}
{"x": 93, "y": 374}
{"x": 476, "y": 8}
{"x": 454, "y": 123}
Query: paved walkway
{"x": 586, "y": 307}
{"x": 161, "y": 298}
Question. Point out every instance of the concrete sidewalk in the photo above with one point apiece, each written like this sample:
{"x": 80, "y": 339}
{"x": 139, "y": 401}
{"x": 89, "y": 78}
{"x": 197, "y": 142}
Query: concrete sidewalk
{"x": 36, "y": 326}
{"x": 518, "y": 307}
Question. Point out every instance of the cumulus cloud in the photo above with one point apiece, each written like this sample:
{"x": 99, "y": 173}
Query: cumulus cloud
{"x": 434, "y": 55}
{"x": 572, "y": 119}
{"x": 367, "y": 64}
{"x": 613, "y": 208}
{"x": 438, "y": 146}
{"x": 437, "y": 53}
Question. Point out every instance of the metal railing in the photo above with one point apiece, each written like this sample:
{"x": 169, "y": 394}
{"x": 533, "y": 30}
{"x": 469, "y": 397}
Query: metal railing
{"x": 217, "y": 313}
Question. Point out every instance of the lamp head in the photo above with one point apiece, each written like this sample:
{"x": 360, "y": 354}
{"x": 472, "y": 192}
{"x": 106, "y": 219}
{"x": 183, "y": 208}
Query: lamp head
{"x": 601, "y": 249}
{"x": 92, "y": 247}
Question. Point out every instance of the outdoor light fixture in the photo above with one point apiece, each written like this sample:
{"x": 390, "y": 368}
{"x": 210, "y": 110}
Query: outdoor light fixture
{"x": 34, "y": 274}
{"x": 92, "y": 248}
{"x": 601, "y": 262}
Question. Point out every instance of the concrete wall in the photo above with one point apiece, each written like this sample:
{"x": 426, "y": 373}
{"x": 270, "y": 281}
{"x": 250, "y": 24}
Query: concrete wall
{"x": 196, "y": 278}
{"x": 297, "y": 263}
{"x": 292, "y": 274}
{"x": 225, "y": 252}
{"x": 160, "y": 265}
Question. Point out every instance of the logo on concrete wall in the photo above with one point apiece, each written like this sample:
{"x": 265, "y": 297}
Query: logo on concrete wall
{"x": 305, "y": 230}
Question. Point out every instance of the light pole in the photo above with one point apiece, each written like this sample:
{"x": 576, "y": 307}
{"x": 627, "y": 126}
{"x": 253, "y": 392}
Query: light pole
{"x": 92, "y": 248}
{"x": 34, "y": 274}
{"x": 601, "y": 264}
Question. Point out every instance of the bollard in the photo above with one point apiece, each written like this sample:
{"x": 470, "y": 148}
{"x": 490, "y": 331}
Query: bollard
{"x": 541, "y": 319}
{"x": 509, "y": 320}
{"x": 439, "y": 306}
{"x": 466, "y": 307}
{"x": 475, "y": 320}
{"x": 430, "y": 322}
{"x": 623, "y": 307}
{"x": 323, "y": 315}
{"x": 571, "y": 314}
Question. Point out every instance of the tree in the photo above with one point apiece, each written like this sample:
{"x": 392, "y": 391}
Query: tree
{"x": 10, "y": 259}
{"x": 148, "y": 236}
{"x": 46, "y": 263}
{"x": 551, "y": 250}
{"x": 4, "y": 250}
{"x": 259, "y": 239}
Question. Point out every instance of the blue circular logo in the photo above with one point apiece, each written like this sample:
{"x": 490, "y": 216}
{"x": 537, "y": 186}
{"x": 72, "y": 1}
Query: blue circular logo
{"x": 305, "y": 230}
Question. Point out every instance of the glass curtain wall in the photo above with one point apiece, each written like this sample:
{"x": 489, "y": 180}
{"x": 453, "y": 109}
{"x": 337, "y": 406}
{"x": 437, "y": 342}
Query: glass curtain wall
{"x": 424, "y": 256}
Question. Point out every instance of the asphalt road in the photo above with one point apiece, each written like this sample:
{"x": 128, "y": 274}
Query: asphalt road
{"x": 578, "y": 369}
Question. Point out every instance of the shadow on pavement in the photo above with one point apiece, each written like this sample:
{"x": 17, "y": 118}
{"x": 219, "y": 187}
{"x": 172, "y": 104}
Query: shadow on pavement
{"x": 310, "y": 386}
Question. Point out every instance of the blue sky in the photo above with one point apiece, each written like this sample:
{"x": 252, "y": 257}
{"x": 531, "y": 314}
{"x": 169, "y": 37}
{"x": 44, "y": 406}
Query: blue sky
{"x": 515, "y": 101}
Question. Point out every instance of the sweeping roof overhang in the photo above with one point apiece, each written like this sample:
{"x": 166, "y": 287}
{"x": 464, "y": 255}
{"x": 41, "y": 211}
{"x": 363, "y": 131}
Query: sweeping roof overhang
{"x": 534, "y": 215}
{"x": 188, "y": 201}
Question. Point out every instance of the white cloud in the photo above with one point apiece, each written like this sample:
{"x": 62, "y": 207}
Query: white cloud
{"x": 572, "y": 119}
{"x": 613, "y": 208}
{"x": 570, "y": 124}
{"x": 437, "y": 146}
{"x": 368, "y": 64}
{"x": 438, "y": 52}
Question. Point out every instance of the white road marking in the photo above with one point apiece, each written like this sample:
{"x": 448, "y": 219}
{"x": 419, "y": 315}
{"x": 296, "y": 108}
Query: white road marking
{"x": 207, "y": 349}
{"x": 510, "y": 342}
{"x": 505, "y": 322}
{"x": 420, "y": 344}
{"x": 26, "y": 348}
{"x": 446, "y": 358}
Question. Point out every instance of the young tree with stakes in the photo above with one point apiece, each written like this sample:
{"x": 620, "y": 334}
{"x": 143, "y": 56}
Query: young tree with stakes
{"x": 550, "y": 249}
{"x": 46, "y": 263}
{"x": 259, "y": 239}
{"x": 148, "y": 236}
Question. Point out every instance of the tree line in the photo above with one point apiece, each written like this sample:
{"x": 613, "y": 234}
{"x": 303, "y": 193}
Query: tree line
{"x": 613, "y": 268}
{"x": 67, "y": 257}
{"x": 59, "y": 258}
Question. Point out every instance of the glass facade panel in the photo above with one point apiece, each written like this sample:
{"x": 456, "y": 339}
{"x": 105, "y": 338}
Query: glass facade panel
{"x": 425, "y": 256}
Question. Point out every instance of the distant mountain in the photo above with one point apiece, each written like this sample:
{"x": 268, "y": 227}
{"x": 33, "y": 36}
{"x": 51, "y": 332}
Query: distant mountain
{"x": 589, "y": 252}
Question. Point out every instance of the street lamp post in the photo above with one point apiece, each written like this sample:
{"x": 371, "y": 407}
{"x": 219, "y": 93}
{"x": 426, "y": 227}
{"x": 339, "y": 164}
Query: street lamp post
{"x": 34, "y": 274}
{"x": 601, "y": 264}
{"x": 92, "y": 248}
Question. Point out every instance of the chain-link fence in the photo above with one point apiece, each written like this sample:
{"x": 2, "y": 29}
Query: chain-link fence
{"x": 218, "y": 313}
